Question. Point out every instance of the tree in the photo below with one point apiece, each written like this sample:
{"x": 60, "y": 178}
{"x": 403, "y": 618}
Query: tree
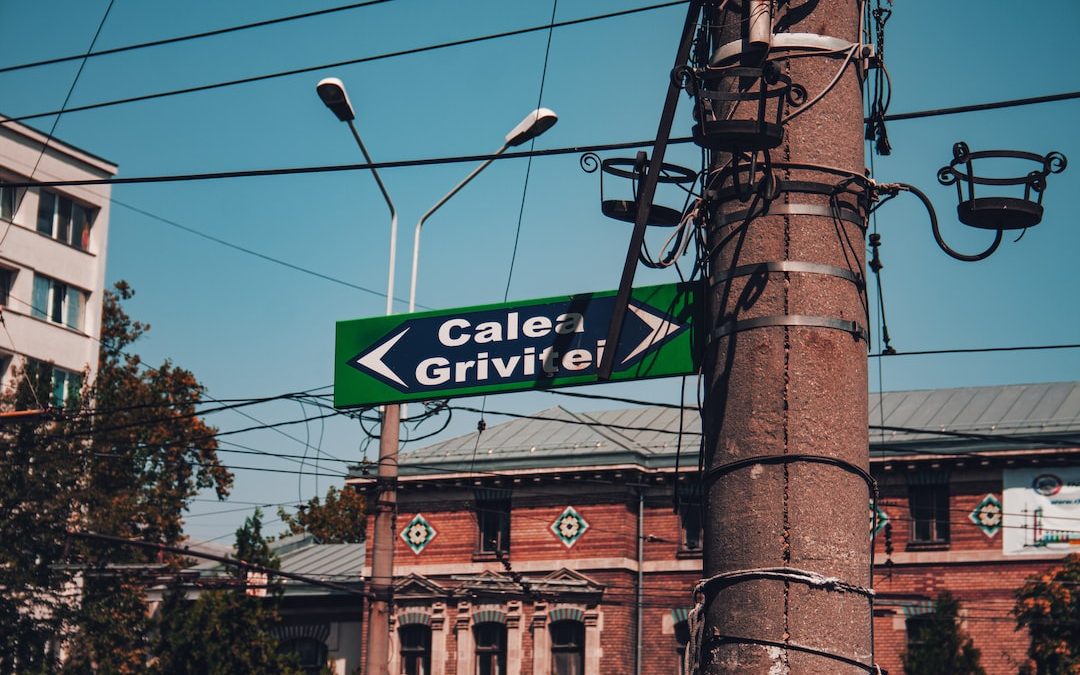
{"x": 937, "y": 646}
{"x": 338, "y": 520}
{"x": 122, "y": 458}
{"x": 224, "y": 631}
{"x": 1048, "y": 605}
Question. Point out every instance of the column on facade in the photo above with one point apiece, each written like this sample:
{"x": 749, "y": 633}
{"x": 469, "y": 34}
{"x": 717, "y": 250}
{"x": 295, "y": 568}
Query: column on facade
{"x": 438, "y": 639}
{"x": 394, "y": 665}
{"x": 593, "y": 650}
{"x": 541, "y": 641}
{"x": 464, "y": 638}
{"x": 513, "y": 637}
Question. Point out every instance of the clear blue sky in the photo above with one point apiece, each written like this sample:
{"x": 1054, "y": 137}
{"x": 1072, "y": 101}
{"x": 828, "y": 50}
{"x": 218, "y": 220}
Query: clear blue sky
{"x": 248, "y": 328}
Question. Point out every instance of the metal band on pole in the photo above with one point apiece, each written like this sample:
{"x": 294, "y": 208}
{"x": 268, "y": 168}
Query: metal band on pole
{"x": 797, "y": 320}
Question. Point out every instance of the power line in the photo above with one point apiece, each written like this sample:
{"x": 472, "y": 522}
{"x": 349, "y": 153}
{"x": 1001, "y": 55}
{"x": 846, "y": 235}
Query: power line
{"x": 193, "y": 36}
{"x": 243, "y": 249}
{"x": 408, "y": 163}
{"x": 977, "y": 350}
{"x": 433, "y": 161}
{"x": 349, "y": 62}
{"x": 979, "y": 107}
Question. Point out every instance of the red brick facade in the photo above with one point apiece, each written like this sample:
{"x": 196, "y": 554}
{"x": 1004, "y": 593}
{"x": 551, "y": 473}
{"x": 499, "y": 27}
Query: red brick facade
{"x": 591, "y": 503}
{"x": 598, "y": 586}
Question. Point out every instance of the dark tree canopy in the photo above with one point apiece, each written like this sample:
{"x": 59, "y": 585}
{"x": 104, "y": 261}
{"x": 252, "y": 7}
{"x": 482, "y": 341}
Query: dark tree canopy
{"x": 227, "y": 630}
{"x": 1048, "y": 605}
{"x": 340, "y": 519}
{"x": 122, "y": 458}
{"x": 937, "y": 646}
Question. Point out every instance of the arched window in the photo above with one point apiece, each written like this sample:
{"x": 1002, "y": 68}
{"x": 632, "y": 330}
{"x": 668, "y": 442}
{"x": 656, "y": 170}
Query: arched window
{"x": 310, "y": 653}
{"x": 490, "y": 640}
{"x": 415, "y": 649}
{"x": 567, "y": 647}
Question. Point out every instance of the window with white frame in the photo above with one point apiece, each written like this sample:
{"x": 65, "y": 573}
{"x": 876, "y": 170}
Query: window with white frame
{"x": 63, "y": 386}
{"x": 7, "y": 277}
{"x": 57, "y": 302}
{"x": 64, "y": 220}
{"x": 9, "y": 200}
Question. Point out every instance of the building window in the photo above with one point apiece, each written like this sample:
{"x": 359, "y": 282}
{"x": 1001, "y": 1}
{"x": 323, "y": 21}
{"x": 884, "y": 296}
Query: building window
{"x": 7, "y": 277}
{"x": 415, "y": 649}
{"x": 61, "y": 386}
{"x": 929, "y": 513}
{"x": 690, "y": 515}
{"x": 493, "y": 521}
{"x": 490, "y": 648}
{"x": 64, "y": 220}
{"x": 57, "y": 302}
{"x": 9, "y": 200}
{"x": 567, "y": 648}
{"x": 310, "y": 653}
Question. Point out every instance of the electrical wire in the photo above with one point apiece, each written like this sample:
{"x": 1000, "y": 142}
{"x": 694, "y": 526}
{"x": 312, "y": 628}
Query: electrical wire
{"x": 56, "y": 121}
{"x": 408, "y": 163}
{"x": 980, "y": 107}
{"x": 192, "y": 36}
{"x": 252, "y": 252}
{"x": 348, "y": 62}
{"x": 532, "y": 146}
{"x": 977, "y": 350}
{"x": 217, "y": 175}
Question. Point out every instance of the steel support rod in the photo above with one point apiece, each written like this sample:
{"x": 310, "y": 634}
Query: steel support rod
{"x": 778, "y": 389}
{"x": 645, "y": 197}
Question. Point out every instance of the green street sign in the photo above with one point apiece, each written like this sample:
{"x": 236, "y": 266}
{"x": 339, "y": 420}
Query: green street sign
{"x": 516, "y": 346}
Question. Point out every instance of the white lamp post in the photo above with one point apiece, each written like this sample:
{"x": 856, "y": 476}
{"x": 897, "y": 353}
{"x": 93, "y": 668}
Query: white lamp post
{"x": 332, "y": 92}
{"x": 534, "y": 124}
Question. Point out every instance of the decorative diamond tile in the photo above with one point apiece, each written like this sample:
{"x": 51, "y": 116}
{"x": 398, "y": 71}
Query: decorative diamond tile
{"x": 987, "y": 515}
{"x": 569, "y": 526}
{"x": 418, "y": 533}
{"x": 882, "y": 518}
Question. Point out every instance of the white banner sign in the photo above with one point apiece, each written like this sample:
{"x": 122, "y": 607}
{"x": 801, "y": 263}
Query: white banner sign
{"x": 1042, "y": 510}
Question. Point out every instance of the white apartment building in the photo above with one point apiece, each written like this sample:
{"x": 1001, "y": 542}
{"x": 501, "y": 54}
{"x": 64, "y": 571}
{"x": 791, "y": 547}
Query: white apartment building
{"x": 52, "y": 259}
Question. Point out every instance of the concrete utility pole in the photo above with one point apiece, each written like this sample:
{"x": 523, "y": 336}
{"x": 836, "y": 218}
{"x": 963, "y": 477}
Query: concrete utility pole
{"x": 785, "y": 369}
{"x": 381, "y": 582}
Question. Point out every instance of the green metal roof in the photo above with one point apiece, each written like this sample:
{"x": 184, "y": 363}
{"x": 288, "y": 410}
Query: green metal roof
{"x": 648, "y": 436}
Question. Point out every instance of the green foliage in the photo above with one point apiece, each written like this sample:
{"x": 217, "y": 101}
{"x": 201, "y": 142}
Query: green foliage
{"x": 338, "y": 520}
{"x": 223, "y": 631}
{"x": 937, "y": 646}
{"x": 126, "y": 467}
{"x": 1048, "y": 605}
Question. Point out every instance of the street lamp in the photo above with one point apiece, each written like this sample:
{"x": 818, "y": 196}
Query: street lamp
{"x": 332, "y": 92}
{"x": 534, "y": 124}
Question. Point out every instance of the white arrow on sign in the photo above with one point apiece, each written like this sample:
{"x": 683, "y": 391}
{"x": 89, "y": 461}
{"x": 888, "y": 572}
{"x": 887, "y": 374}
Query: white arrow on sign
{"x": 659, "y": 329}
{"x": 373, "y": 359}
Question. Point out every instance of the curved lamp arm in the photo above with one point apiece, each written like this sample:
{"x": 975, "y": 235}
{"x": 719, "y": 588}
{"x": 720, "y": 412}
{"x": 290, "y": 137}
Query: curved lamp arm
{"x": 393, "y": 220}
{"x": 433, "y": 209}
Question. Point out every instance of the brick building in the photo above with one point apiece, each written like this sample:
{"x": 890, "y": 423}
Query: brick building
{"x": 533, "y": 548}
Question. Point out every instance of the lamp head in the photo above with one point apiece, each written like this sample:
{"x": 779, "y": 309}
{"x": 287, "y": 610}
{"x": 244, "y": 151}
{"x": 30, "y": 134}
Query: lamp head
{"x": 332, "y": 92}
{"x": 534, "y": 124}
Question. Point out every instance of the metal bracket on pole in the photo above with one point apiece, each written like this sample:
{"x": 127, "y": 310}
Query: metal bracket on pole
{"x": 645, "y": 196}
